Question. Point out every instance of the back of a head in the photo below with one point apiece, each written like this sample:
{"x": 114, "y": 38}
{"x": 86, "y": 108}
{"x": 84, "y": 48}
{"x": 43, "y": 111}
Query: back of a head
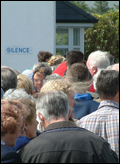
{"x": 52, "y": 77}
{"x": 11, "y": 116}
{"x": 56, "y": 60}
{"x": 53, "y": 105}
{"x": 107, "y": 84}
{"x": 58, "y": 84}
{"x": 110, "y": 57}
{"x": 43, "y": 56}
{"x": 99, "y": 59}
{"x": 74, "y": 56}
{"x": 16, "y": 94}
{"x": 78, "y": 75}
{"x": 25, "y": 82}
{"x": 28, "y": 102}
{"x": 8, "y": 79}
{"x": 78, "y": 72}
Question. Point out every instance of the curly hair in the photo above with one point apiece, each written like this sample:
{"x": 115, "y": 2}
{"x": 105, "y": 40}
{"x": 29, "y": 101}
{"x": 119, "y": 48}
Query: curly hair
{"x": 11, "y": 116}
{"x": 58, "y": 84}
{"x": 55, "y": 60}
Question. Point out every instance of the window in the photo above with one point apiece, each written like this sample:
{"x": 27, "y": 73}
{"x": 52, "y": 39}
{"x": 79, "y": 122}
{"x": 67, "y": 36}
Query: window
{"x": 76, "y": 37}
{"x": 69, "y": 38}
{"x": 62, "y": 37}
{"x": 62, "y": 52}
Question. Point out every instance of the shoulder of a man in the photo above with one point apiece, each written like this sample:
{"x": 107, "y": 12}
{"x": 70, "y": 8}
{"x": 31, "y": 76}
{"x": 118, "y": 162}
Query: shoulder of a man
{"x": 49, "y": 141}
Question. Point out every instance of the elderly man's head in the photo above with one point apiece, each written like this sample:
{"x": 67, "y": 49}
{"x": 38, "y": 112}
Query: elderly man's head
{"x": 97, "y": 60}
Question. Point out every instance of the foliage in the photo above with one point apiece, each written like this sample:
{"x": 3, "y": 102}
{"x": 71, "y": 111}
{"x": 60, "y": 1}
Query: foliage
{"x": 104, "y": 35}
{"x": 101, "y": 7}
{"x": 82, "y": 5}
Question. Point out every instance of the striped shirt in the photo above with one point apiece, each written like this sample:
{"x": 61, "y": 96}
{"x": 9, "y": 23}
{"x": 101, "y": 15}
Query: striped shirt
{"x": 104, "y": 122}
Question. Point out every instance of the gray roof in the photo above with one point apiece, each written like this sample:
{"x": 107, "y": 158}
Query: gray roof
{"x": 66, "y": 12}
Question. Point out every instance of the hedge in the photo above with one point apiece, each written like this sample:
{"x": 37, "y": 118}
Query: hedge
{"x": 104, "y": 35}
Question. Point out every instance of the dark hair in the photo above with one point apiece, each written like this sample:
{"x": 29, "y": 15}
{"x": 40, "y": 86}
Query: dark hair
{"x": 44, "y": 66}
{"x": 43, "y": 55}
{"x": 107, "y": 83}
{"x": 8, "y": 79}
{"x": 78, "y": 72}
{"x": 74, "y": 56}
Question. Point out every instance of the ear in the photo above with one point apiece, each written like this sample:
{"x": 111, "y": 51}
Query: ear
{"x": 41, "y": 117}
{"x": 25, "y": 125}
{"x": 69, "y": 114}
{"x": 94, "y": 69}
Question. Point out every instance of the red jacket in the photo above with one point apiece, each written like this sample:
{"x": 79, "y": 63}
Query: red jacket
{"x": 92, "y": 88}
{"x": 61, "y": 69}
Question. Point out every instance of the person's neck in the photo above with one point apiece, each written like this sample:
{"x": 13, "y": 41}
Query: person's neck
{"x": 53, "y": 121}
{"x": 113, "y": 99}
{"x": 5, "y": 139}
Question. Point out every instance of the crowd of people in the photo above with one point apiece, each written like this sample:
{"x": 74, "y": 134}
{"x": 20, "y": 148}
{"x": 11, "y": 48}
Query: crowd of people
{"x": 61, "y": 110}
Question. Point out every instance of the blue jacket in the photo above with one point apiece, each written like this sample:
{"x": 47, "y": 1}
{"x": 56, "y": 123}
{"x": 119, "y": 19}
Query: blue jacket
{"x": 21, "y": 141}
{"x": 84, "y": 105}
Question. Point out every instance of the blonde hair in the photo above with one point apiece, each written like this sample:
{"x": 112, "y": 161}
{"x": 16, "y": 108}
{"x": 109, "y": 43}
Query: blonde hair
{"x": 55, "y": 60}
{"x": 30, "y": 109}
{"x": 58, "y": 84}
{"x": 25, "y": 82}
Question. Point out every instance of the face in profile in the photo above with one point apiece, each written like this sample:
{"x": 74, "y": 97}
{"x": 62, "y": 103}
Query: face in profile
{"x": 31, "y": 128}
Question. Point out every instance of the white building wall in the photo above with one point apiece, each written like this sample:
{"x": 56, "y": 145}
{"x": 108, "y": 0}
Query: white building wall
{"x": 27, "y": 27}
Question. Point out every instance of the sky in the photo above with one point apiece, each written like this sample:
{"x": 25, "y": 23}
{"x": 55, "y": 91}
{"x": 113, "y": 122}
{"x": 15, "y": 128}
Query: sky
{"x": 110, "y": 3}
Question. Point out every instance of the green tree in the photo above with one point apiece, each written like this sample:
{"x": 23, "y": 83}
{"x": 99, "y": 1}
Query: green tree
{"x": 101, "y": 7}
{"x": 115, "y": 8}
{"x": 82, "y": 5}
{"x": 104, "y": 35}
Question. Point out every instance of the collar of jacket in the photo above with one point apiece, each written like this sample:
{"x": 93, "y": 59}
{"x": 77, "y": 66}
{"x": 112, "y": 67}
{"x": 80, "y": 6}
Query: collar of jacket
{"x": 61, "y": 124}
{"x": 82, "y": 96}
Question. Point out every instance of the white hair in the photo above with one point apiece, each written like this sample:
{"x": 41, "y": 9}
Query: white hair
{"x": 53, "y": 105}
{"x": 20, "y": 93}
{"x": 99, "y": 59}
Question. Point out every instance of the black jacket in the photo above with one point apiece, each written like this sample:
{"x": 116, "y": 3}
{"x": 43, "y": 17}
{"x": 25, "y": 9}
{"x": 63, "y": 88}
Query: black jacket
{"x": 64, "y": 142}
{"x": 9, "y": 156}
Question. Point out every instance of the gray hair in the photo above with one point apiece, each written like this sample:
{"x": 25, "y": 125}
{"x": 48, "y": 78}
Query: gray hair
{"x": 17, "y": 94}
{"x": 99, "y": 59}
{"x": 110, "y": 57}
{"x": 8, "y": 79}
{"x": 52, "y": 77}
{"x": 53, "y": 105}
